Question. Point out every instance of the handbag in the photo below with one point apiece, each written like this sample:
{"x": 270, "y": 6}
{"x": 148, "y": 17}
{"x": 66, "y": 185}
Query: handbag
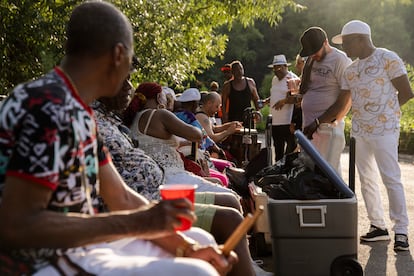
{"x": 198, "y": 167}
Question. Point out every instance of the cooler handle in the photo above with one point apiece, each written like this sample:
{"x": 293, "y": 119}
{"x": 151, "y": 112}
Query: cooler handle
{"x": 322, "y": 209}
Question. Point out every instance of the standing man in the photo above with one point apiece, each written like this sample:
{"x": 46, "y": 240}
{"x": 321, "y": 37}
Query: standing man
{"x": 237, "y": 94}
{"x": 281, "y": 107}
{"x": 54, "y": 166}
{"x": 227, "y": 74}
{"x": 378, "y": 83}
{"x": 324, "y": 105}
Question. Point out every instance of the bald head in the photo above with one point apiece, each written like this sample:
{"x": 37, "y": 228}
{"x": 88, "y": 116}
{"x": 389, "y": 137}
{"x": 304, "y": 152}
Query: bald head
{"x": 210, "y": 97}
{"x": 211, "y": 103}
{"x": 95, "y": 28}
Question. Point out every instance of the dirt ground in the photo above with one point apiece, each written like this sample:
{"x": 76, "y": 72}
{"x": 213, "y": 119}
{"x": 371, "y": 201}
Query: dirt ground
{"x": 379, "y": 258}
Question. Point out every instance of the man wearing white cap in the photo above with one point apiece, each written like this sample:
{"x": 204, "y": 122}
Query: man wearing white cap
{"x": 282, "y": 106}
{"x": 324, "y": 106}
{"x": 378, "y": 84}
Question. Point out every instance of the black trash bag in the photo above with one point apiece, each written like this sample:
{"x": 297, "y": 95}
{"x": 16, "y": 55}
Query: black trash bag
{"x": 310, "y": 185}
{"x": 238, "y": 181}
{"x": 293, "y": 177}
{"x": 283, "y": 166}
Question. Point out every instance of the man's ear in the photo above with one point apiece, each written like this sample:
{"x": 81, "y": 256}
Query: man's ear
{"x": 118, "y": 52}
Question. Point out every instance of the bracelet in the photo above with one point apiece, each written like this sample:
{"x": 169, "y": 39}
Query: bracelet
{"x": 317, "y": 122}
{"x": 183, "y": 248}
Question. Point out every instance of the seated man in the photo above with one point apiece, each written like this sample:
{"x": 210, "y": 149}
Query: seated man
{"x": 53, "y": 168}
{"x": 141, "y": 173}
{"x": 209, "y": 106}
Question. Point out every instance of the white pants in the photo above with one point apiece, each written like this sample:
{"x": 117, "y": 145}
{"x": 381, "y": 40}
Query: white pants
{"x": 383, "y": 152}
{"x": 203, "y": 185}
{"x": 329, "y": 140}
{"x": 137, "y": 257}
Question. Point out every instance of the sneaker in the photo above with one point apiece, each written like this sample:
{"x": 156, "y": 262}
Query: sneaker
{"x": 258, "y": 270}
{"x": 401, "y": 242}
{"x": 375, "y": 234}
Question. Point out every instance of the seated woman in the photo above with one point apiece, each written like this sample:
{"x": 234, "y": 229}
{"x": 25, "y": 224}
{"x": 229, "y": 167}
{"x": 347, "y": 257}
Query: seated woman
{"x": 143, "y": 175}
{"x": 157, "y": 129}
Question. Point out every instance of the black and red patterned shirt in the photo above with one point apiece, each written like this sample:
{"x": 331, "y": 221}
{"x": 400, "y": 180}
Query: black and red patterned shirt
{"x": 48, "y": 136}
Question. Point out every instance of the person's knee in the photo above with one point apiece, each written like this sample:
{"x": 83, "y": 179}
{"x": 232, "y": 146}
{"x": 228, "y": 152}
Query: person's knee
{"x": 225, "y": 222}
{"x": 228, "y": 200}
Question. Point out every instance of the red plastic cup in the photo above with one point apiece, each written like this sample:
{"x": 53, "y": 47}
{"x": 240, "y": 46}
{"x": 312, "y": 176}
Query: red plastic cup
{"x": 175, "y": 191}
{"x": 293, "y": 85}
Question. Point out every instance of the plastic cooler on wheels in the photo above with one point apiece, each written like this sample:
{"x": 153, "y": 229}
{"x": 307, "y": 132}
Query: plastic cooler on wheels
{"x": 315, "y": 237}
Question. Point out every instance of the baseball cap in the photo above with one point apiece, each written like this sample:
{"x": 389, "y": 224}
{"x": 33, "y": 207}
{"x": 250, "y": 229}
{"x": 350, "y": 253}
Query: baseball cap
{"x": 169, "y": 91}
{"x": 312, "y": 40}
{"x": 226, "y": 67}
{"x": 352, "y": 27}
{"x": 190, "y": 94}
{"x": 278, "y": 60}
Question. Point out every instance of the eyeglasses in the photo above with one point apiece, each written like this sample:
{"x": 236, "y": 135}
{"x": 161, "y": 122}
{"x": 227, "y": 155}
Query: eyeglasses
{"x": 134, "y": 60}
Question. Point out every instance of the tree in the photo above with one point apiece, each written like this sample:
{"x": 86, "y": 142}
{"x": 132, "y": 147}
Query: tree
{"x": 31, "y": 38}
{"x": 175, "y": 39}
{"x": 390, "y": 20}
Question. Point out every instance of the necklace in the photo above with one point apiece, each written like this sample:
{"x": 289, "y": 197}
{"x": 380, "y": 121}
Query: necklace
{"x": 359, "y": 71}
{"x": 68, "y": 79}
{"x": 364, "y": 61}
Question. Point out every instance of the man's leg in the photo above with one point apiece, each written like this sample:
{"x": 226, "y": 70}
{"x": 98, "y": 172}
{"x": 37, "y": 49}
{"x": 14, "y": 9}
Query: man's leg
{"x": 387, "y": 160}
{"x": 365, "y": 163}
{"x": 278, "y": 142}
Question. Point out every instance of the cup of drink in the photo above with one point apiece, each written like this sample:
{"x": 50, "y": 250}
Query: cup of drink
{"x": 293, "y": 85}
{"x": 176, "y": 191}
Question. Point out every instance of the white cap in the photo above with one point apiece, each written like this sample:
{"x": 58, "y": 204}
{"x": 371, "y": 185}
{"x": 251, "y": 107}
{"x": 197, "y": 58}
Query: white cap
{"x": 278, "y": 60}
{"x": 352, "y": 27}
{"x": 190, "y": 94}
{"x": 169, "y": 91}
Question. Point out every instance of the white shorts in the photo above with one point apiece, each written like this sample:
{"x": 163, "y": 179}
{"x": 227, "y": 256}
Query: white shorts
{"x": 134, "y": 257}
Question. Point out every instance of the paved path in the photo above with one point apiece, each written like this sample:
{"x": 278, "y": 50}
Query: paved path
{"x": 379, "y": 258}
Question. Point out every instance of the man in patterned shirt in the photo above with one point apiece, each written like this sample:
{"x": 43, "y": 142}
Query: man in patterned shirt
{"x": 378, "y": 84}
{"x": 53, "y": 167}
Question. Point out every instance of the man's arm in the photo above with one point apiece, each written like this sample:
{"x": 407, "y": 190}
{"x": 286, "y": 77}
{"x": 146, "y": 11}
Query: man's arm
{"x": 255, "y": 94}
{"x": 26, "y": 222}
{"x": 224, "y": 99}
{"x": 215, "y": 136}
{"x": 339, "y": 109}
{"x": 405, "y": 92}
{"x": 335, "y": 112}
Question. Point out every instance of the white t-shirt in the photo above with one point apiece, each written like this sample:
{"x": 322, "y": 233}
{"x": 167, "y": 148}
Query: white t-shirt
{"x": 278, "y": 91}
{"x": 324, "y": 85}
{"x": 375, "y": 107}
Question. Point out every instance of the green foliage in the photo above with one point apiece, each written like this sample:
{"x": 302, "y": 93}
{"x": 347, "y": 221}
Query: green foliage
{"x": 175, "y": 39}
{"x": 391, "y": 23}
{"x": 407, "y": 122}
{"x": 31, "y": 38}
{"x": 266, "y": 85}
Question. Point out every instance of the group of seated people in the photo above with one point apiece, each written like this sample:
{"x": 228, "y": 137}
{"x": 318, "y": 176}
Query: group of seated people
{"x": 144, "y": 137}
{"x": 79, "y": 188}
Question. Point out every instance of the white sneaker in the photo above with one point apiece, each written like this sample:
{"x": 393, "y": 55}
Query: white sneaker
{"x": 259, "y": 271}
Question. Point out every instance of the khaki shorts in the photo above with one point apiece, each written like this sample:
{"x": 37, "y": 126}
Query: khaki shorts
{"x": 204, "y": 210}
